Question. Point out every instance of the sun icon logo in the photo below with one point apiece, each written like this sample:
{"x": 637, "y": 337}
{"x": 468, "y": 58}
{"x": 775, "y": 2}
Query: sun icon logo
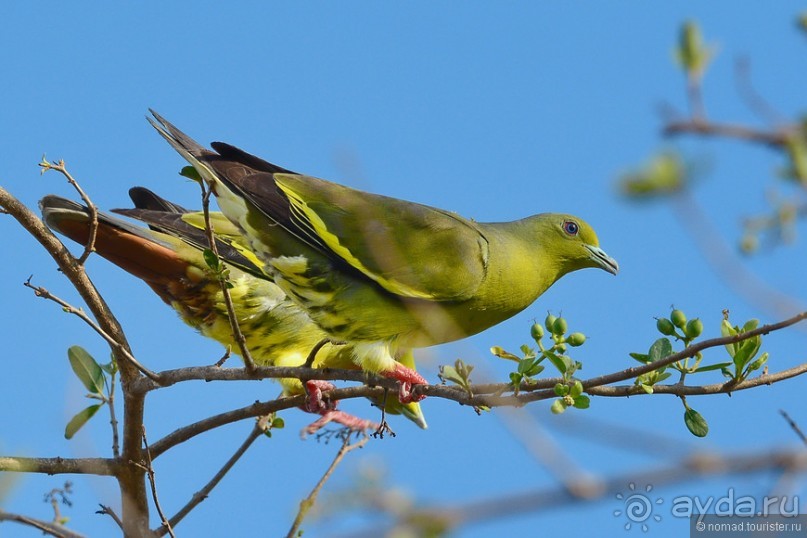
{"x": 638, "y": 507}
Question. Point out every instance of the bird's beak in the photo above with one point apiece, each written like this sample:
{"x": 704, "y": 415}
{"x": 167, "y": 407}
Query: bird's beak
{"x": 603, "y": 260}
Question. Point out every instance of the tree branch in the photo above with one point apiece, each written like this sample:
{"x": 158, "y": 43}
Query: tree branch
{"x": 450, "y": 517}
{"x": 58, "y": 465}
{"x": 46, "y": 527}
{"x": 307, "y": 503}
{"x": 131, "y": 480}
{"x": 261, "y": 426}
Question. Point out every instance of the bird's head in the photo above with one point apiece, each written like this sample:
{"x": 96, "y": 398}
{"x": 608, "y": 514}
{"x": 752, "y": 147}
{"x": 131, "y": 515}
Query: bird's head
{"x": 572, "y": 242}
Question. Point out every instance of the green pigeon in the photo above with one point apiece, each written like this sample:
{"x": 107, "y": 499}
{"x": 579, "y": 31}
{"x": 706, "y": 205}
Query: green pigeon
{"x": 381, "y": 273}
{"x": 169, "y": 257}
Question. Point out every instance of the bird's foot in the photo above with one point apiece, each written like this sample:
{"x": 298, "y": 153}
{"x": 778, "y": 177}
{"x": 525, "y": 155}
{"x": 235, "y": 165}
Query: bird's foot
{"x": 383, "y": 429}
{"x": 316, "y": 403}
{"x": 351, "y": 422}
{"x": 408, "y": 378}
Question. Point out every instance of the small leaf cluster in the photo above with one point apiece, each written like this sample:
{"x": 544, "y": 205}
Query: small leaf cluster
{"x": 459, "y": 374}
{"x": 664, "y": 174}
{"x": 97, "y": 378}
{"x": 692, "y": 53}
{"x": 530, "y": 362}
{"x": 743, "y": 354}
{"x": 219, "y": 270}
{"x": 745, "y": 358}
{"x": 570, "y": 396}
{"x": 274, "y": 422}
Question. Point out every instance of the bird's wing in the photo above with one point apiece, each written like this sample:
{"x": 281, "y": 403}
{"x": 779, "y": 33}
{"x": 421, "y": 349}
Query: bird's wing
{"x": 409, "y": 249}
{"x": 167, "y": 217}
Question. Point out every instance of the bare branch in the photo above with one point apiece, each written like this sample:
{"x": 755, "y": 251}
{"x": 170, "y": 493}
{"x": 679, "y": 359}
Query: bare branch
{"x": 108, "y": 511}
{"x": 261, "y": 426}
{"x": 51, "y": 466}
{"x": 741, "y": 132}
{"x": 45, "y": 294}
{"x": 794, "y": 426}
{"x": 45, "y": 526}
{"x": 697, "y": 465}
{"x": 113, "y": 420}
{"x": 307, "y": 503}
{"x": 60, "y": 167}
{"x": 149, "y": 468}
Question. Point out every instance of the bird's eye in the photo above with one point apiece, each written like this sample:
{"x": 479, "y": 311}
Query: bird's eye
{"x": 571, "y": 227}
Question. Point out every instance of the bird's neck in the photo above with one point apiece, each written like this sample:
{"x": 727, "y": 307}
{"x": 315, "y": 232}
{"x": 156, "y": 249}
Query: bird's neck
{"x": 520, "y": 269}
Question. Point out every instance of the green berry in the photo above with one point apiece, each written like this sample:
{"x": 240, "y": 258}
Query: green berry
{"x": 549, "y": 322}
{"x": 665, "y": 326}
{"x": 694, "y": 328}
{"x": 536, "y": 331}
{"x": 678, "y": 318}
{"x": 576, "y": 339}
{"x": 559, "y": 327}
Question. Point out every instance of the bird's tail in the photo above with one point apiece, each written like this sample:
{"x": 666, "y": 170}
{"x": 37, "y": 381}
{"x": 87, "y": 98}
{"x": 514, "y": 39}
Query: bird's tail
{"x": 146, "y": 254}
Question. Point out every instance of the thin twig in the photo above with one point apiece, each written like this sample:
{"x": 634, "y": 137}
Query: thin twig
{"x": 60, "y": 167}
{"x": 794, "y": 426}
{"x": 312, "y": 355}
{"x": 113, "y": 420}
{"x": 261, "y": 426}
{"x": 219, "y": 363}
{"x": 728, "y": 130}
{"x": 108, "y": 511}
{"x": 45, "y": 294}
{"x": 149, "y": 468}
{"x": 46, "y": 527}
{"x": 238, "y": 336}
{"x": 747, "y": 91}
{"x": 307, "y": 503}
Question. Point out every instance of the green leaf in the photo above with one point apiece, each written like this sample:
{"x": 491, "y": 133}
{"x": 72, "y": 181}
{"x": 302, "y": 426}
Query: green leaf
{"x": 757, "y": 364}
{"x": 528, "y": 352}
{"x": 502, "y": 354}
{"x": 660, "y": 349}
{"x": 190, "y": 173}
{"x": 641, "y": 357}
{"x": 695, "y": 423}
{"x": 647, "y": 388}
{"x": 582, "y": 402}
{"x": 111, "y": 367}
{"x": 576, "y": 390}
{"x": 79, "y": 420}
{"x": 662, "y": 376}
{"x": 86, "y": 369}
{"x": 534, "y": 370}
{"x": 710, "y": 367}
{"x": 448, "y": 373}
{"x": 556, "y": 361}
{"x": 211, "y": 259}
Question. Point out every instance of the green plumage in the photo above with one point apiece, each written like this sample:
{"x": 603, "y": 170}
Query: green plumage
{"x": 382, "y": 273}
{"x": 169, "y": 258}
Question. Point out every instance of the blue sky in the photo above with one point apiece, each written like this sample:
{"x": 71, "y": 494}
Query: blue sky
{"x": 495, "y": 111}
